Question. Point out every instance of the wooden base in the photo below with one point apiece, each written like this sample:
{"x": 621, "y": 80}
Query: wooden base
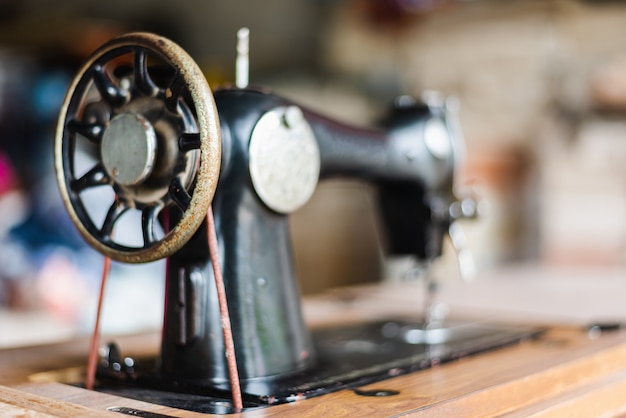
{"x": 567, "y": 372}
{"x": 564, "y": 373}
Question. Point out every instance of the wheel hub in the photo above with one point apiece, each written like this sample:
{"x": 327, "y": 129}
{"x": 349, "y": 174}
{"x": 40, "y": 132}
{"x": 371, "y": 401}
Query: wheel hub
{"x": 129, "y": 149}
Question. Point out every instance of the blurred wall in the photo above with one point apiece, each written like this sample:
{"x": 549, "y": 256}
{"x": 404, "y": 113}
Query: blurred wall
{"x": 541, "y": 85}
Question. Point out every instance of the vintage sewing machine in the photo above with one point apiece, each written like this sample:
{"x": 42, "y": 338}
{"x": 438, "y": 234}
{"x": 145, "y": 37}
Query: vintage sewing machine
{"x": 141, "y": 125}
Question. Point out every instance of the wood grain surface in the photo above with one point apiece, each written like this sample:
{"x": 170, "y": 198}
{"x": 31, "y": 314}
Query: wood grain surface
{"x": 564, "y": 373}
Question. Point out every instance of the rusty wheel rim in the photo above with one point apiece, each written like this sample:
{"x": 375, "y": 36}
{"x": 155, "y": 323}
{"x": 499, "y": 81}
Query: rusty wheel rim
{"x": 178, "y": 108}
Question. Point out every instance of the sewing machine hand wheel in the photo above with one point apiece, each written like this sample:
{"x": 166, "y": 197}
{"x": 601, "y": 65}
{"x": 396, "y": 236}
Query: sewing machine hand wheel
{"x": 142, "y": 110}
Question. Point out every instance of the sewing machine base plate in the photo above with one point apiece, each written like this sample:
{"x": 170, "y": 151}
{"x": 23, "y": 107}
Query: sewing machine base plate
{"x": 347, "y": 357}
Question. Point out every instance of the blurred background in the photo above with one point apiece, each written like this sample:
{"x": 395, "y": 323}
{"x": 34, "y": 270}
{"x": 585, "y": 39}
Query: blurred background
{"x": 542, "y": 88}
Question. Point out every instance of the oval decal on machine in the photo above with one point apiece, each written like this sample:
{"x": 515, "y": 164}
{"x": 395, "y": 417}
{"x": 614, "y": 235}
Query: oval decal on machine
{"x": 284, "y": 159}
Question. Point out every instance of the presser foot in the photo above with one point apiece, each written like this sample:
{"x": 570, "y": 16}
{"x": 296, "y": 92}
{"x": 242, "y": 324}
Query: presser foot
{"x": 347, "y": 357}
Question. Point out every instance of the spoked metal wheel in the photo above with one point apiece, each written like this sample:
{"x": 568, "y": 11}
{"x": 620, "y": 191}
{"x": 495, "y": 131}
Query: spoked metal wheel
{"x": 138, "y": 136}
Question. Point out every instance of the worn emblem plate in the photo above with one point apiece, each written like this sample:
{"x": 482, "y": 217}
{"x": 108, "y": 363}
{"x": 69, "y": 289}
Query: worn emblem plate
{"x": 284, "y": 159}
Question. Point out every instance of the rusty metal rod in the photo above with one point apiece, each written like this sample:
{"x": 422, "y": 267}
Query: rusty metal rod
{"x": 92, "y": 358}
{"x": 225, "y": 317}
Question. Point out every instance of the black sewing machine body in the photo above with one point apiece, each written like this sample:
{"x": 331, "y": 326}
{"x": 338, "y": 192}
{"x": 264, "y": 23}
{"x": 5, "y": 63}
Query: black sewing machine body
{"x": 270, "y": 336}
{"x": 273, "y": 154}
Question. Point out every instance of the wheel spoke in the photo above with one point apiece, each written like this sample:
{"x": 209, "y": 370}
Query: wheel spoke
{"x": 188, "y": 142}
{"x": 97, "y": 176}
{"x": 173, "y": 92}
{"x": 110, "y": 92}
{"x": 149, "y": 219}
{"x": 179, "y": 195}
{"x": 116, "y": 210}
{"x": 143, "y": 81}
{"x": 91, "y": 131}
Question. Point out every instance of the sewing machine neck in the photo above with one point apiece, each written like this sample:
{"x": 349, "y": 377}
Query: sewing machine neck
{"x": 274, "y": 154}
